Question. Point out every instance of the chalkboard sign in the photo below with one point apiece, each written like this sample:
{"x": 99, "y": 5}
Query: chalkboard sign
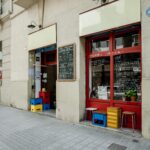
{"x": 66, "y": 58}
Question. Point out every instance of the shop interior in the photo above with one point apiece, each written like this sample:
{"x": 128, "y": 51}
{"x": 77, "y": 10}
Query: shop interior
{"x": 42, "y": 76}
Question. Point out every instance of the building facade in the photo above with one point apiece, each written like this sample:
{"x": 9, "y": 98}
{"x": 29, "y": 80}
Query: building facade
{"x": 109, "y": 38}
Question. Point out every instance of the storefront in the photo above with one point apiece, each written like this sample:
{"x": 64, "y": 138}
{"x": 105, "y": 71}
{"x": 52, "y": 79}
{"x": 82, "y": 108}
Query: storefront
{"x": 43, "y": 71}
{"x": 114, "y": 70}
{"x": 113, "y": 57}
{"x": 111, "y": 65}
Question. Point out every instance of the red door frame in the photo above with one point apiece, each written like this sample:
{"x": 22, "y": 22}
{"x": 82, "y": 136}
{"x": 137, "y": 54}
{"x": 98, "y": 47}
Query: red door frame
{"x": 45, "y": 62}
{"x": 103, "y": 104}
{"x": 51, "y": 62}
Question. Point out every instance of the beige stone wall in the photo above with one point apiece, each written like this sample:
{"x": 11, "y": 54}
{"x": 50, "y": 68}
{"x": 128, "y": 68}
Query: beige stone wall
{"x": 6, "y": 66}
{"x": 145, "y": 70}
{"x": 19, "y": 61}
{"x": 70, "y": 95}
{"x": 65, "y": 13}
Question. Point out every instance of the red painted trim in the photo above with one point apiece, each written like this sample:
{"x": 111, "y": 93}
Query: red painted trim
{"x": 111, "y": 45}
{"x": 114, "y": 101}
{"x": 126, "y": 103}
{"x": 51, "y": 63}
{"x": 99, "y": 54}
{"x": 136, "y": 49}
{"x": 87, "y": 69}
{"x": 48, "y": 53}
{"x": 128, "y": 30}
{"x": 112, "y": 29}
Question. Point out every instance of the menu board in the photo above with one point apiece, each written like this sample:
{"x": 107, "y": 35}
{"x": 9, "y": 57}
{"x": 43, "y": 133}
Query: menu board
{"x": 66, "y": 58}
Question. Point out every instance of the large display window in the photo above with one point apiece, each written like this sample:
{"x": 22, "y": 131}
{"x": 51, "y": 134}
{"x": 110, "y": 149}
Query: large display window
{"x": 100, "y": 78}
{"x": 114, "y": 66}
{"x": 114, "y": 71}
{"x": 127, "y": 77}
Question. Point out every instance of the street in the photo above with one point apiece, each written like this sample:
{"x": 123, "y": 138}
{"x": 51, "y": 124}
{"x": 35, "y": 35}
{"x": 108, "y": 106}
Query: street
{"x": 22, "y": 130}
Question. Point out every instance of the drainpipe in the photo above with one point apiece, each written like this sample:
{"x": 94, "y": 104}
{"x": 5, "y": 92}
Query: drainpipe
{"x": 11, "y": 6}
{"x": 41, "y": 6}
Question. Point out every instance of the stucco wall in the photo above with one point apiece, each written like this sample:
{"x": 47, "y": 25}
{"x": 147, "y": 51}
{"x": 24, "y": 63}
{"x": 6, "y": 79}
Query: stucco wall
{"x": 70, "y": 95}
{"x": 19, "y": 61}
{"x": 145, "y": 70}
{"x": 5, "y": 38}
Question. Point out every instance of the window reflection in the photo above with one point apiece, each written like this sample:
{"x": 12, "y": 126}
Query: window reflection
{"x": 100, "y": 45}
{"x": 127, "y": 77}
{"x": 127, "y": 40}
{"x": 100, "y": 78}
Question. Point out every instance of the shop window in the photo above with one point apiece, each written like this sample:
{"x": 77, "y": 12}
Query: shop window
{"x": 115, "y": 68}
{"x": 100, "y": 78}
{"x": 127, "y": 40}
{"x": 100, "y": 45}
{"x": 127, "y": 76}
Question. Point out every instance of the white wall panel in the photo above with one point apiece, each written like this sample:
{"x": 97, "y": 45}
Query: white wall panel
{"x": 119, "y": 13}
{"x": 42, "y": 38}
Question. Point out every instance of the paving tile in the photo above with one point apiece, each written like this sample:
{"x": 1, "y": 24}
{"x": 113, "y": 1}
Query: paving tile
{"x": 22, "y": 130}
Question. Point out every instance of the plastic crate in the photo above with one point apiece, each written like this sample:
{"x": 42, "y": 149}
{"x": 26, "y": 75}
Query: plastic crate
{"x": 99, "y": 119}
{"x": 46, "y": 107}
{"x": 36, "y": 101}
{"x": 113, "y": 117}
{"x": 36, "y": 108}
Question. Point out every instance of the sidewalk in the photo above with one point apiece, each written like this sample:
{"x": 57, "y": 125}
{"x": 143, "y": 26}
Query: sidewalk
{"x": 21, "y": 130}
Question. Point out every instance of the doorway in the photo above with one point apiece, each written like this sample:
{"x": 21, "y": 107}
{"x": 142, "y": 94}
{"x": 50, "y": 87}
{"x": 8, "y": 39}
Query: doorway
{"x": 43, "y": 76}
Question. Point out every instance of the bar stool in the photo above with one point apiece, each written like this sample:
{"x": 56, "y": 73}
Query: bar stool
{"x": 128, "y": 113}
{"x": 90, "y": 109}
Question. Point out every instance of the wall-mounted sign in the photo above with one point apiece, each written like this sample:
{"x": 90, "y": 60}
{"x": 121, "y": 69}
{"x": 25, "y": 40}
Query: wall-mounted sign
{"x": 66, "y": 62}
{"x": 148, "y": 12}
{"x": 95, "y": 20}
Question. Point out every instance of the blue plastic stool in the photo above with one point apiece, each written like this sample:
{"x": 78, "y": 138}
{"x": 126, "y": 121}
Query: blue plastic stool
{"x": 99, "y": 118}
{"x": 35, "y": 101}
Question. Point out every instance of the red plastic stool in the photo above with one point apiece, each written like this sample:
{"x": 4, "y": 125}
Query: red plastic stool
{"x": 128, "y": 113}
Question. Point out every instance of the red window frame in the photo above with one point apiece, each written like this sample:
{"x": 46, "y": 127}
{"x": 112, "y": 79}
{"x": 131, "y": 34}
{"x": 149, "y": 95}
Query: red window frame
{"x": 50, "y": 62}
{"x": 103, "y": 104}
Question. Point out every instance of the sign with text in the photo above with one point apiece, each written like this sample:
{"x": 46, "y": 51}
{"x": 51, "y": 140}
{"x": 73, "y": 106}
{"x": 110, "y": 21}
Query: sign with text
{"x": 102, "y": 92}
{"x": 66, "y": 61}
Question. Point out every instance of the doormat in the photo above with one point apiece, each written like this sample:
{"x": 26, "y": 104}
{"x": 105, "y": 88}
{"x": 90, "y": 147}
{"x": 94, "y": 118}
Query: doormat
{"x": 115, "y": 146}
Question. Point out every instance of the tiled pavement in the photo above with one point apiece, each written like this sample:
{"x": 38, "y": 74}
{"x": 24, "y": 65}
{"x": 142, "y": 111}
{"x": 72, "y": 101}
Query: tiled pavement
{"x": 21, "y": 130}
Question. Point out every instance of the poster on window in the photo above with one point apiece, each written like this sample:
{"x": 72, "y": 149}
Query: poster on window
{"x": 102, "y": 92}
